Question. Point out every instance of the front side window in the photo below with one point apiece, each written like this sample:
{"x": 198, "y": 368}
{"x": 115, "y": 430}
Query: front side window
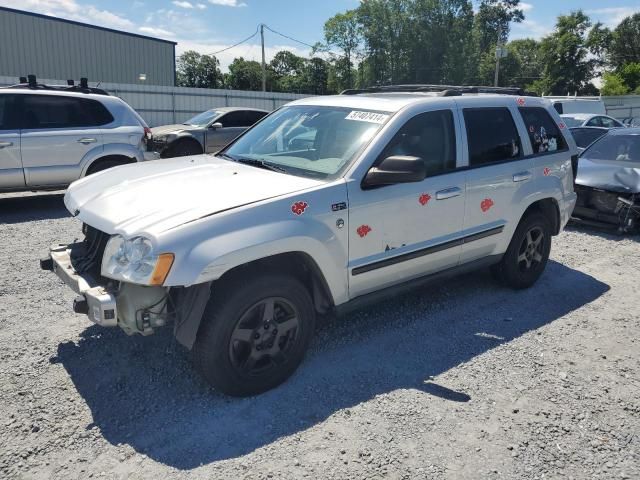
{"x": 544, "y": 134}
{"x": 594, "y": 122}
{"x": 608, "y": 122}
{"x": 316, "y": 141}
{"x": 492, "y": 135}
{"x": 235, "y": 119}
{"x": 430, "y": 136}
{"x": 49, "y": 111}
{"x": 618, "y": 148}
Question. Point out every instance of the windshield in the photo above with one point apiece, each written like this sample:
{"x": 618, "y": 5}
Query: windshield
{"x": 305, "y": 140}
{"x": 572, "y": 121}
{"x": 203, "y": 119}
{"x": 620, "y": 148}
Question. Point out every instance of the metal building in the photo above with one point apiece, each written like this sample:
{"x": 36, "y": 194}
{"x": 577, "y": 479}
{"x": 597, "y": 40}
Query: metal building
{"x": 51, "y": 47}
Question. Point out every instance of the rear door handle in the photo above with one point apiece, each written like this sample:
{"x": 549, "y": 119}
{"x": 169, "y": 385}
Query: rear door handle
{"x": 86, "y": 141}
{"x": 448, "y": 193}
{"x": 521, "y": 176}
{"x": 5, "y": 144}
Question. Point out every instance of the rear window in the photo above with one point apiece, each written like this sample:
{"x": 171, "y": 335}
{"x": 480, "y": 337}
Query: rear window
{"x": 50, "y": 111}
{"x": 572, "y": 121}
{"x": 492, "y": 135}
{"x": 586, "y": 136}
{"x": 544, "y": 134}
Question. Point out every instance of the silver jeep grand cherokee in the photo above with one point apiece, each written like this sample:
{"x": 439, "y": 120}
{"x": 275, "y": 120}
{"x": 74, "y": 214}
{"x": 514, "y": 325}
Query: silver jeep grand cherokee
{"x": 326, "y": 204}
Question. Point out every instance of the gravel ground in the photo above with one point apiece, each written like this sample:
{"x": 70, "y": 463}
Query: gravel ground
{"x": 463, "y": 379}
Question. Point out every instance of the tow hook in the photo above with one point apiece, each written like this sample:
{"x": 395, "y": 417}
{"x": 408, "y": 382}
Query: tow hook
{"x": 80, "y": 305}
{"x": 46, "y": 263}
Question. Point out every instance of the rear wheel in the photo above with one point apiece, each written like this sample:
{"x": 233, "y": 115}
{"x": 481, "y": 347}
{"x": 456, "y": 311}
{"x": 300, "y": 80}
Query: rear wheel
{"x": 528, "y": 253}
{"x": 254, "y": 333}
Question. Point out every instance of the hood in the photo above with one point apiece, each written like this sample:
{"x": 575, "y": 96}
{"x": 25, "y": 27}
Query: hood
{"x": 153, "y": 197}
{"x": 167, "y": 129}
{"x": 623, "y": 177}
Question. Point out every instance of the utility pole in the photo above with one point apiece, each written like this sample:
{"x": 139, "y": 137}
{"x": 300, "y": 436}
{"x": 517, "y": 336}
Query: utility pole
{"x": 264, "y": 67}
{"x": 498, "y": 55}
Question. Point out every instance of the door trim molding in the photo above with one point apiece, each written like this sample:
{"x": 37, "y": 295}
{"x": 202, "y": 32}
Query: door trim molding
{"x": 426, "y": 251}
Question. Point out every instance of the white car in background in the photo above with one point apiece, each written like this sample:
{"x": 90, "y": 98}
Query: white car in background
{"x": 51, "y": 136}
{"x": 590, "y": 120}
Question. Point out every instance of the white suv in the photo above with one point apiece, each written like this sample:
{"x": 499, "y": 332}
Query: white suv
{"x": 51, "y": 136}
{"x": 325, "y": 204}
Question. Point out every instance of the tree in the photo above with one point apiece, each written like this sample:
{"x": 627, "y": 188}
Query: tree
{"x": 625, "y": 42}
{"x": 568, "y": 67}
{"x": 527, "y": 51}
{"x": 196, "y": 70}
{"x": 288, "y": 71}
{"x": 613, "y": 84}
{"x": 630, "y": 75}
{"x": 343, "y": 31}
{"x": 247, "y": 75}
{"x": 494, "y": 16}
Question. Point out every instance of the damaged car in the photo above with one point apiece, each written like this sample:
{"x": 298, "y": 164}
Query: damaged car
{"x": 327, "y": 204}
{"x": 608, "y": 182}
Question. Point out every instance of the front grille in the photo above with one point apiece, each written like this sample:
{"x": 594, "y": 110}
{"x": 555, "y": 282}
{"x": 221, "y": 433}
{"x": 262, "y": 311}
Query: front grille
{"x": 87, "y": 256}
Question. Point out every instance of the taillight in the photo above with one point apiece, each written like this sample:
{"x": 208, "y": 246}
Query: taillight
{"x": 147, "y": 133}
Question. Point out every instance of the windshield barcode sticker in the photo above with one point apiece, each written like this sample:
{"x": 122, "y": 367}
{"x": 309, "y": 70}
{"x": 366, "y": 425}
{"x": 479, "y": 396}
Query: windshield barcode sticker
{"x": 370, "y": 117}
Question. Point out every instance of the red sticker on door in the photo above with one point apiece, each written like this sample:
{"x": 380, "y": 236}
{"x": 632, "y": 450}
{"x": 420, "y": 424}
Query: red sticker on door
{"x": 299, "y": 207}
{"x": 363, "y": 230}
{"x": 424, "y": 199}
{"x": 486, "y": 204}
{"x": 546, "y": 172}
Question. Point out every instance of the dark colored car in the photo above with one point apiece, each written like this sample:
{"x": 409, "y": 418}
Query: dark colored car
{"x": 608, "y": 181}
{"x": 207, "y": 132}
{"x": 585, "y": 136}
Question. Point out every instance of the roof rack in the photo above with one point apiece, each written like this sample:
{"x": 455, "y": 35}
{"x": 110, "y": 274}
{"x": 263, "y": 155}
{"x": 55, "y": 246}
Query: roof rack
{"x": 441, "y": 90}
{"x": 31, "y": 83}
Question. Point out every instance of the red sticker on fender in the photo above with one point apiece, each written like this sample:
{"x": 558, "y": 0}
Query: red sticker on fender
{"x": 299, "y": 207}
{"x": 546, "y": 171}
{"x": 486, "y": 204}
{"x": 363, "y": 230}
{"x": 424, "y": 199}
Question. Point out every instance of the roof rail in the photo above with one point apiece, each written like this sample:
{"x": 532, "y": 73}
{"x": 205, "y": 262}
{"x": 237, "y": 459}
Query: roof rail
{"x": 442, "y": 90}
{"x": 29, "y": 82}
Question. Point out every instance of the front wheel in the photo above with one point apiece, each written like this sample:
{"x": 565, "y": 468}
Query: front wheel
{"x": 254, "y": 333}
{"x": 528, "y": 253}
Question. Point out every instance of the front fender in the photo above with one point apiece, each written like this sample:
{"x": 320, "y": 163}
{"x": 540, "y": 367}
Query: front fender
{"x": 234, "y": 238}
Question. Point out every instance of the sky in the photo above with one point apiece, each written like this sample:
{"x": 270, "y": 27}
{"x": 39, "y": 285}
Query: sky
{"x": 209, "y": 26}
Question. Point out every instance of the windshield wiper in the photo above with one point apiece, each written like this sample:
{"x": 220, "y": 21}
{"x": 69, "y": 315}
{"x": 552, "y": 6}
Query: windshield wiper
{"x": 260, "y": 164}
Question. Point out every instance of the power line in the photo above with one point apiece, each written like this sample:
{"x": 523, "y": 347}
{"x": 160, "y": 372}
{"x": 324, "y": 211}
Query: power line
{"x": 287, "y": 36}
{"x": 239, "y": 43}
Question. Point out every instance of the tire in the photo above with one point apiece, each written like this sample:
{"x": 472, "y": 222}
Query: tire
{"x": 101, "y": 165}
{"x": 528, "y": 253}
{"x": 183, "y": 149}
{"x": 236, "y": 349}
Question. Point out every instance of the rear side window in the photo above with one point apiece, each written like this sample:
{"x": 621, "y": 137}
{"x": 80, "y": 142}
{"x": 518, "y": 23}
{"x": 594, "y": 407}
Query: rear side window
{"x": 253, "y": 117}
{"x": 544, "y": 134}
{"x": 430, "y": 136}
{"x": 492, "y": 135}
{"x": 50, "y": 111}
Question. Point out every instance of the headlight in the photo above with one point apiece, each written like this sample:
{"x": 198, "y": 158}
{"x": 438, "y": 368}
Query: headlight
{"x": 133, "y": 260}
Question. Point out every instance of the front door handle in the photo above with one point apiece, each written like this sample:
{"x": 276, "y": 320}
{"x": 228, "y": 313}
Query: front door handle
{"x": 448, "y": 193}
{"x": 5, "y": 144}
{"x": 522, "y": 176}
{"x": 87, "y": 141}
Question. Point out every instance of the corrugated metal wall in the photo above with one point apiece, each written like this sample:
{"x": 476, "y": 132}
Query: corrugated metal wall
{"x": 53, "y": 48}
{"x": 164, "y": 105}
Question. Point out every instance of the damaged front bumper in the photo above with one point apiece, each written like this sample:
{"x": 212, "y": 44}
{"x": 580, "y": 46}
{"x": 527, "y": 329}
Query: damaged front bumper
{"x": 606, "y": 209}
{"x": 134, "y": 308}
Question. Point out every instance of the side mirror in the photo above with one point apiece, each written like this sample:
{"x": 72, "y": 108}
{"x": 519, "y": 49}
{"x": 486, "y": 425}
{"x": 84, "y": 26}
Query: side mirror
{"x": 216, "y": 125}
{"x": 396, "y": 169}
